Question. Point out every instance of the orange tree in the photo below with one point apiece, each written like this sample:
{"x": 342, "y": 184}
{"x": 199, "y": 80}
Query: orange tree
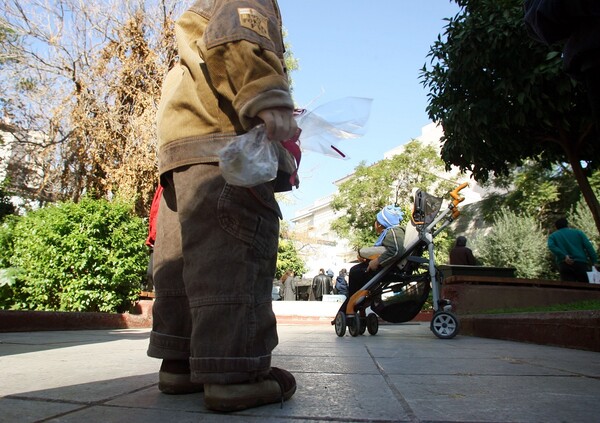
{"x": 503, "y": 98}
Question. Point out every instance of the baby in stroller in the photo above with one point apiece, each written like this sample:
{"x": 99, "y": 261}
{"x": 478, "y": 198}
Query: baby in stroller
{"x": 390, "y": 246}
{"x": 394, "y": 282}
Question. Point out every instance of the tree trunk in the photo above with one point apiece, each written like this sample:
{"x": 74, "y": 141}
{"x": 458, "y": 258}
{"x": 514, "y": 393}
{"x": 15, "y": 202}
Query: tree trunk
{"x": 584, "y": 185}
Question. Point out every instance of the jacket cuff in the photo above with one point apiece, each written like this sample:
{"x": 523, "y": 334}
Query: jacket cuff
{"x": 253, "y": 98}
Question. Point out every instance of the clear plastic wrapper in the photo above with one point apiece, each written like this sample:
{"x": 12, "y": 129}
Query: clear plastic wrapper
{"x": 331, "y": 123}
{"x": 251, "y": 159}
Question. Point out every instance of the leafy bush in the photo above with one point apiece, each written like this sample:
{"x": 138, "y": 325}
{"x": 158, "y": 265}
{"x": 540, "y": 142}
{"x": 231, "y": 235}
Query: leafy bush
{"x": 8, "y": 282}
{"x": 519, "y": 242}
{"x": 581, "y": 218}
{"x": 88, "y": 256}
{"x": 6, "y": 206}
{"x": 6, "y": 240}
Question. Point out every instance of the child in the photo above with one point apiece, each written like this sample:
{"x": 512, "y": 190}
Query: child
{"x": 391, "y": 239}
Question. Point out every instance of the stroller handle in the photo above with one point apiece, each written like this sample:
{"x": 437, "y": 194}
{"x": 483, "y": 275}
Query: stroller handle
{"x": 455, "y": 193}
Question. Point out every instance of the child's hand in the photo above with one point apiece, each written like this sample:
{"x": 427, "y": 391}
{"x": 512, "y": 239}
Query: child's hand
{"x": 279, "y": 123}
{"x": 373, "y": 265}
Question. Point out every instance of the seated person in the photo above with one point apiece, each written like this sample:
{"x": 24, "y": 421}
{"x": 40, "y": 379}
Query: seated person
{"x": 461, "y": 254}
{"x": 391, "y": 241}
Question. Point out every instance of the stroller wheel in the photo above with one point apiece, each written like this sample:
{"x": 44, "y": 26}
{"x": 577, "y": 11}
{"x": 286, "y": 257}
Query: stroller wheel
{"x": 354, "y": 325}
{"x": 444, "y": 325}
{"x": 363, "y": 325}
{"x": 340, "y": 324}
{"x": 372, "y": 323}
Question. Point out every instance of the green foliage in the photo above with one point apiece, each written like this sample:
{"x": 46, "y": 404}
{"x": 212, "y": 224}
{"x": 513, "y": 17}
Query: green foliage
{"x": 443, "y": 243}
{"x": 288, "y": 259}
{"x": 503, "y": 97}
{"x": 516, "y": 241}
{"x": 533, "y": 190}
{"x": 8, "y": 282}
{"x": 388, "y": 181}
{"x": 86, "y": 256}
{"x": 580, "y": 217}
{"x": 6, "y": 206}
{"x": 7, "y": 38}
{"x": 6, "y": 240}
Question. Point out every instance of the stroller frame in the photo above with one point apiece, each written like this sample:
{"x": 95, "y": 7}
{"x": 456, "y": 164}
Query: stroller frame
{"x": 400, "y": 275}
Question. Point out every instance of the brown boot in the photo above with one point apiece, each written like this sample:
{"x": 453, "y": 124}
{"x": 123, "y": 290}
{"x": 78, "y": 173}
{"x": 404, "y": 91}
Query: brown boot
{"x": 174, "y": 378}
{"x": 278, "y": 386}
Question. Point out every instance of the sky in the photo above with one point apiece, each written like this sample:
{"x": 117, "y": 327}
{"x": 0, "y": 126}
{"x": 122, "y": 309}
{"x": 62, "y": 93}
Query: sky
{"x": 360, "y": 48}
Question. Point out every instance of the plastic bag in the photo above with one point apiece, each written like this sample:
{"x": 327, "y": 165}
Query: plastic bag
{"x": 249, "y": 159}
{"x": 327, "y": 125}
{"x": 594, "y": 275}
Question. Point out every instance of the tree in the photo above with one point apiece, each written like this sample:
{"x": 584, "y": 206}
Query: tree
{"x": 81, "y": 92}
{"x": 116, "y": 121}
{"x": 288, "y": 259}
{"x": 7, "y": 52}
{"x": 370, "y": 188}
{"x": 502, "y": 98}
{"x": 544, "y": 193}
{"x": 82, "y": 96}
{"x": 580, "y": 217}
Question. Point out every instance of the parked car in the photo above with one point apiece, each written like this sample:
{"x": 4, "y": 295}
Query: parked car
{"x": 276, "y": 293}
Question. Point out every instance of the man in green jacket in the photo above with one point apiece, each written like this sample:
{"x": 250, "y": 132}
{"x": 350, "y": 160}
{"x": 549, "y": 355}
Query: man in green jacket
{"x": 216, "y": 245}
{"x": 573, "y": 251}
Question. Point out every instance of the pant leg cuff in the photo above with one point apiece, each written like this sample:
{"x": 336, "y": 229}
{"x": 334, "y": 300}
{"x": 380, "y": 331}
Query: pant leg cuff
{"x": 224, "y": 371}
{"x": 168, "y": 347}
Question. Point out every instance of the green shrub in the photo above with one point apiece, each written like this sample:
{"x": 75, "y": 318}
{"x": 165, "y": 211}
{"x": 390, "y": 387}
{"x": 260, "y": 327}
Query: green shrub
{"x": 86, "y": 256}
{"x": 519, "y": 242}
{"x": 7, "y": 208}
{"x": 581, "y": 218}
{"x": 8, "y": 284}
{"x": 6, "y": 240}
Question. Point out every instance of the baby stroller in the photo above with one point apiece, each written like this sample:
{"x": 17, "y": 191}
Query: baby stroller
{"x": 398, "y": 291}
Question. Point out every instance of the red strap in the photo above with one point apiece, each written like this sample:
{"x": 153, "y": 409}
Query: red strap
{"x": 293, "y": 146}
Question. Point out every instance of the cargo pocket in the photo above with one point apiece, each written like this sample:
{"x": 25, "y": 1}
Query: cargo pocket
{"x": 252, "y": 216}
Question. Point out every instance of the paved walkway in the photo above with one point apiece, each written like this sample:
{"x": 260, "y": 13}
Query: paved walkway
{"x": 403, "y": 374}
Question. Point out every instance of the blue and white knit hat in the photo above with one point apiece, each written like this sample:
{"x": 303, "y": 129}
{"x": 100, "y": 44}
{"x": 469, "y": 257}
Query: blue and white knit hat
{"x": 390, "y": 216}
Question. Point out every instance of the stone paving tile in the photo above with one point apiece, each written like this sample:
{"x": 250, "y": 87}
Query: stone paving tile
{"x": 27, "y": 411}
{"x": 337, "y": 397}
{"x": 402, "y": 374}
{"x": 499, "y": 398}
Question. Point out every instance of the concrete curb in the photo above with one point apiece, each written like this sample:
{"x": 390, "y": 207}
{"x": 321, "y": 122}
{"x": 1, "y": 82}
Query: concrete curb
{"x": 569, "y": 329}
{"x": 578, "y": 330}
{"x": 286, "y": 312}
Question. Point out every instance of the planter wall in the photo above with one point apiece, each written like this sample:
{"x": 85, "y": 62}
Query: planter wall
{"x": 474, "y": 294}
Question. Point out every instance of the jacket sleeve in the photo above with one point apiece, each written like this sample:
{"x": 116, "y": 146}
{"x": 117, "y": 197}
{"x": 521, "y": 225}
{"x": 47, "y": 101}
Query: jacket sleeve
{"x": 244, "y": 58}
{"x": 558, "y": 252}
{"x": 394, "y": 246}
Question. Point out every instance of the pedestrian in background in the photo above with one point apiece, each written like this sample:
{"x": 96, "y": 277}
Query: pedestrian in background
{"x": 341, "y": 283}
{"x": 573, "y": 251}
{"x": 289, "y": 286}
{"x": 321, "y": 285}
